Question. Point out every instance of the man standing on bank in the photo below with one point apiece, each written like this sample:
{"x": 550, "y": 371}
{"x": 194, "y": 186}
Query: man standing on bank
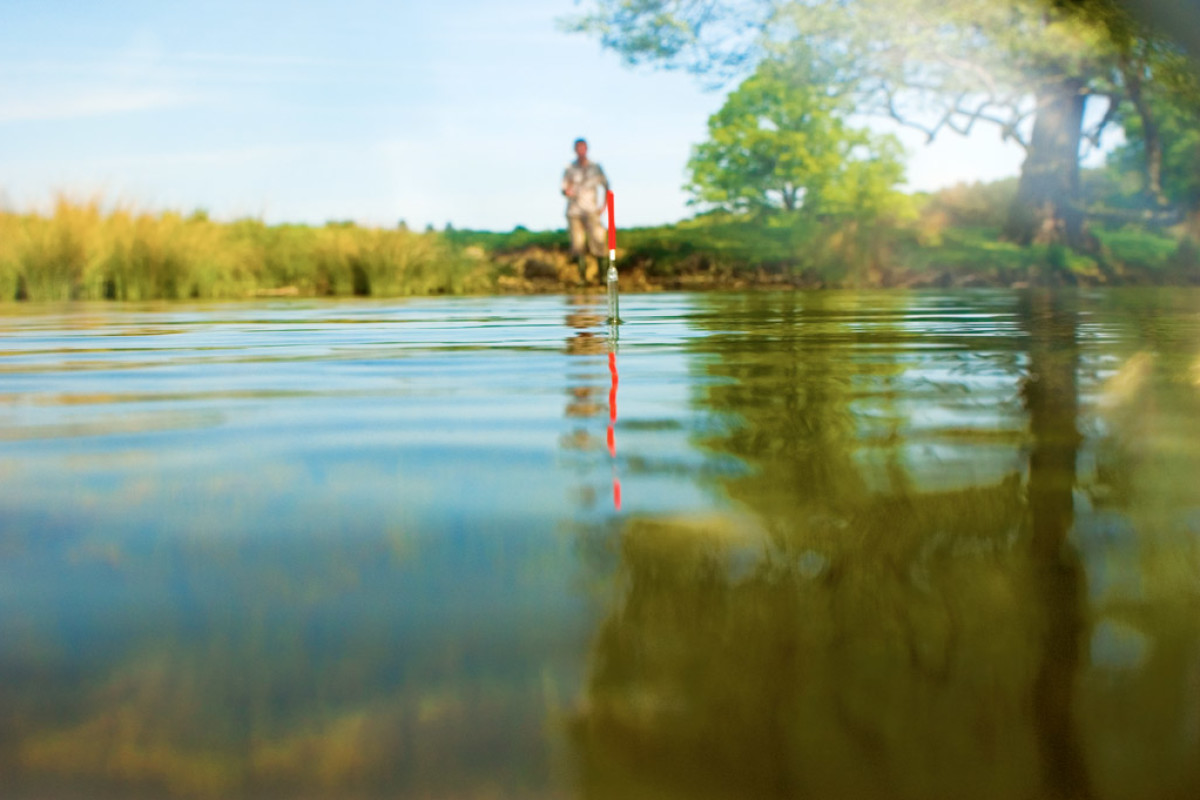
{"x": 586, "y": 189}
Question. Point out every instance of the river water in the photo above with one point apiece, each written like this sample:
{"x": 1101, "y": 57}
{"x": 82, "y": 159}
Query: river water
{"x": 912, "y": 545}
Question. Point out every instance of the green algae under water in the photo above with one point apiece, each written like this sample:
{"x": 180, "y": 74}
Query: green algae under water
{"x": 912, "y": 545}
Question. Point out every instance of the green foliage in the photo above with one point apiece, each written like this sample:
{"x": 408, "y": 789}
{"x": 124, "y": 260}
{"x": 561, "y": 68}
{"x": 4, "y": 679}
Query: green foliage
{"x": 1130, "y": 254}
{"x": 781, "y": 141}
{"x": 720, "y": 243}
{"x": 1174, "y": 106}
{"x": 1110, "y": 188}
{"x": 975, "y": 204}
{"x": 970, "y": 250}
{"x": 504, "y": 242}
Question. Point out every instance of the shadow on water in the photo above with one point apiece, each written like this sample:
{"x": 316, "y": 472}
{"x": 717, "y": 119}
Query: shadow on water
{"x": 864, "y": 629}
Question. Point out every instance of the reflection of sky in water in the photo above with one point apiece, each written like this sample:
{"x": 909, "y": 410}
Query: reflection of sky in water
{"x": 382, "y": 486}
{"x": 424, "y": 410}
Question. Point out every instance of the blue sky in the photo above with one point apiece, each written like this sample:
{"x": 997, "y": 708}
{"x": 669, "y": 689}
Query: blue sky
{"x": 460, "y": 111}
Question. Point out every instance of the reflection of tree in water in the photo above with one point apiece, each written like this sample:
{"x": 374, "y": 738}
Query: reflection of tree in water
{"x": 795, "y": 397}
{"x": 1052, "y": 397}
{"x": 790, "y": 373}
{"x": 856, "y": 643}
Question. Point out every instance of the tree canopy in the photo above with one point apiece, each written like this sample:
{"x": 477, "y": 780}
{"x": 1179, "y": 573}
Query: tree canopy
{"x": 781, "y": 141}
{"x": 1161, "y": 119}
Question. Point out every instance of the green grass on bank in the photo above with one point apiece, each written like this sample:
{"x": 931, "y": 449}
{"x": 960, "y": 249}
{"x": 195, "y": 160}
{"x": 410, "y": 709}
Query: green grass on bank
{"x": 702, "y": 243}
{"x": 714, "y": 244}
{"x": 1124, "y": 255}
{"x": 1150, "y": 250}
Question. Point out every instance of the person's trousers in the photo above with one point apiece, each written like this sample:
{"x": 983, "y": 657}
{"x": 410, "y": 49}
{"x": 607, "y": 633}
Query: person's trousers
{"x": 587, "y": 230}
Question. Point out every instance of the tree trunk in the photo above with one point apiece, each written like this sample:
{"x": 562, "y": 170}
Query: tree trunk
{"x": 1191, "y": 225}
{"x": 789, "y": 198}
{"x": 1047, "y": 209}
{"x": 1151, "y": 141}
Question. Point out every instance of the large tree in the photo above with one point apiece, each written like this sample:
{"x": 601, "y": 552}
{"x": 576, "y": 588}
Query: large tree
{"x": 781, "y": 141}
{"x": 1028, "y": 67}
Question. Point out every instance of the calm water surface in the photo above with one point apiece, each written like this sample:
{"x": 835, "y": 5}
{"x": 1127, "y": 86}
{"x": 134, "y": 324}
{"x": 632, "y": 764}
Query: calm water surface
{"x": 824, "y": 545}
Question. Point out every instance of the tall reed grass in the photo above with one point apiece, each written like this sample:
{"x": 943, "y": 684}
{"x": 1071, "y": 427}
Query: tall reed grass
{"x": 83, "y": 252}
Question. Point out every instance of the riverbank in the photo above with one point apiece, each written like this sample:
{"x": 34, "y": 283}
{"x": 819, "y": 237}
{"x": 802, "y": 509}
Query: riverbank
{"x": 82, "y": 252}
{"x": 741, "y": 254}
